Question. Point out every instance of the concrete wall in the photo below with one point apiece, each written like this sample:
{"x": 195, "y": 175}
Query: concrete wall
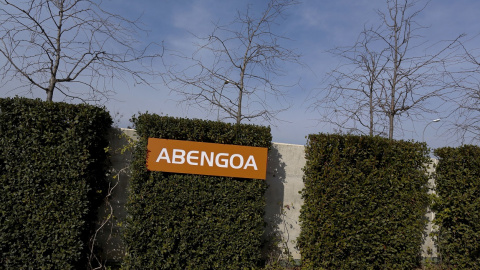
{"x": 428, "y": 248}
{"x": 284, "y": 179}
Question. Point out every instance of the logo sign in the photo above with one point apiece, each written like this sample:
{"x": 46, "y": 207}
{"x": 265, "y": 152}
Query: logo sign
{"x": 206, "y": 158}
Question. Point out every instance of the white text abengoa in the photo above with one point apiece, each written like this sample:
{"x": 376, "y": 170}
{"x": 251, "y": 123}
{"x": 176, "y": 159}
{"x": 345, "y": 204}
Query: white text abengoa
{"x": 202, "y": 158}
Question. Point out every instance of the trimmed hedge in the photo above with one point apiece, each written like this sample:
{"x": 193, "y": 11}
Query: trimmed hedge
{"x": 182, "y": 221}
{"x": 457, "y": 206}
{"x": 365, "y": 200}
{"x": 52, "y": 168}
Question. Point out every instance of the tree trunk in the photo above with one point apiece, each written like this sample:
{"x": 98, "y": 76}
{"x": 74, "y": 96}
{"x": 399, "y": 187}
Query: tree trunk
{"x": 240, "y": 90}
{"x": 390, "y": 130}
{"x": 371, "y": 109}
{"x": 239, "y": 110}
{"x": 49, "y": 96}
{"x": 51, "y": 88}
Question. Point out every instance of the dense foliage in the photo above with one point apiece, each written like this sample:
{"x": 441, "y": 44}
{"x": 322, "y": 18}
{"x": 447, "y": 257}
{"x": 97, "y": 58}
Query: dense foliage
{"x": 457, "y": 206}
{"x": 182, "y": 221}
{"x": 52, "y": 170}
{"x": 365, "y": 200}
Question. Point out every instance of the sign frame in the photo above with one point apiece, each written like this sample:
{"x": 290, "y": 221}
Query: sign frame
{"x": 179, "y": 156}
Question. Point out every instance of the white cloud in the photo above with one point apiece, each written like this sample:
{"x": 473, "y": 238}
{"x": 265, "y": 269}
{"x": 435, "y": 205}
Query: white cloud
{"x": 195, "y": 17}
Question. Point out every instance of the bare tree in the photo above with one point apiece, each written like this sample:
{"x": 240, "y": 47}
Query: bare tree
{"x": 74, "y": 47}
{"x": 350, "y": 98}
{"x": 234, "y": 68}
{"x": 396, "y": 73}
{"x": 464, "y": 77}
{"x": 414, "y": 73}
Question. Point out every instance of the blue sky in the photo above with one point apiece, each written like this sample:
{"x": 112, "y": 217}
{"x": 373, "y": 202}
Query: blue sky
{"x": 314, "y": 26}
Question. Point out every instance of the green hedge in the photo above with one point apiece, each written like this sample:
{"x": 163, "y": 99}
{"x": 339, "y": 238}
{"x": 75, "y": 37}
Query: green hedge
{"x": 457, "y": 207}
{"x": 365, "y": 200}
{"x": 181, "y": 221}
{"x": 52, "y": 167}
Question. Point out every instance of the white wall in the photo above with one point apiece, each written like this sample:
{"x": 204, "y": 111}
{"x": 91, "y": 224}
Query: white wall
{"x": 285, "y": 181}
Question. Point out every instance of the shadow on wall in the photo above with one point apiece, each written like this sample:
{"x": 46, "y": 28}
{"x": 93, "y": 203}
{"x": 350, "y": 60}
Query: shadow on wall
{"x": 275, "y": 246}
{"x": 112, "y": 213}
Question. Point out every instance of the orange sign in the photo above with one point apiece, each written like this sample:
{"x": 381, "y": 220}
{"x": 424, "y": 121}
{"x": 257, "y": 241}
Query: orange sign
{"x": 206, "y": 158}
